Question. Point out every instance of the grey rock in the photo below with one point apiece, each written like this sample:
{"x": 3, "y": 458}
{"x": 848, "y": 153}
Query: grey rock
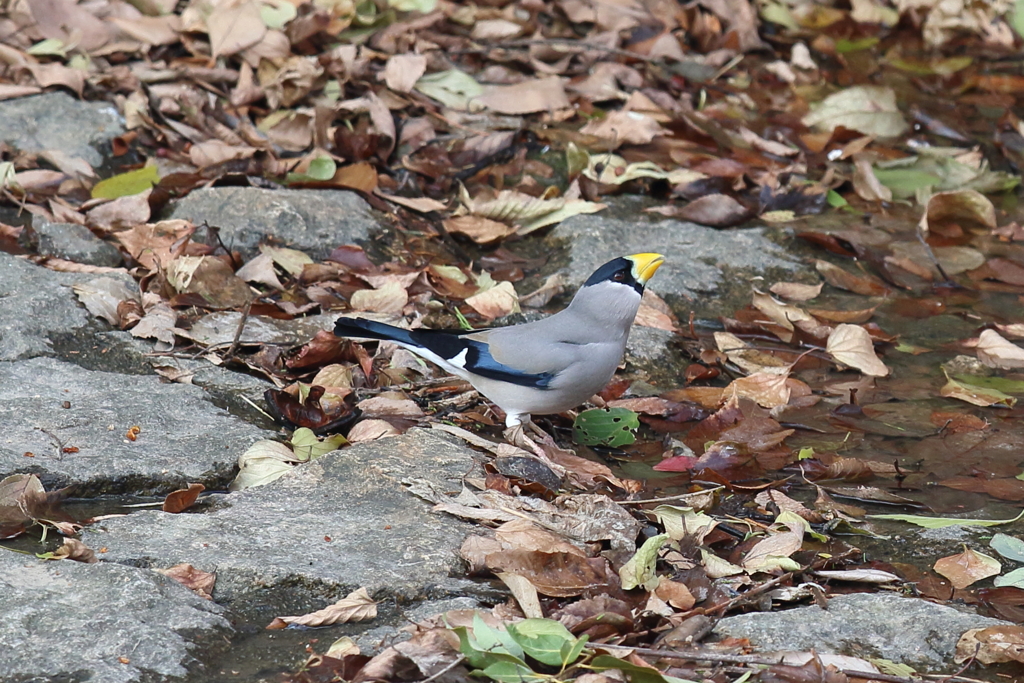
{"x": 55, "y": 120}
{"x": 67, "y": 621}
{"x": 324, "y": 529}
{"x": 313, "y": 221}
{"x": 75, "y": 243}
{"x": 700, "y": 261}
{"x": 35, "y": 305}
{"x": 908, "y": 631}
{"x": 184, "y": 437}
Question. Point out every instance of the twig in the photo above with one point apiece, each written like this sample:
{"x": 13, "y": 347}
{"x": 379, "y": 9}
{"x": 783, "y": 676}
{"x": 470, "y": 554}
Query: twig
{"x": 931, "y": 255}
{"x": 445, "y": 670}
{"x": 667, "y": 499}
{"x": 579, "y": 44}
{"x": 238, "y": 331}
{"x": 697, "y": 655}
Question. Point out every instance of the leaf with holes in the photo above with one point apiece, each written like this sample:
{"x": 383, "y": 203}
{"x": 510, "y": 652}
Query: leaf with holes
{"x": 613, "y": 427}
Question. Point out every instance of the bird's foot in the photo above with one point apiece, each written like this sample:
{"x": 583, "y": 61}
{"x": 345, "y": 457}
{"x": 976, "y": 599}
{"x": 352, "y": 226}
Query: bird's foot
{"x": 517, "y": 436}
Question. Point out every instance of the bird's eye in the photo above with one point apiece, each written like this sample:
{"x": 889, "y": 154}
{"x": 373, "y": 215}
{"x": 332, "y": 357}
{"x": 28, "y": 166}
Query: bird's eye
{"x": 619, "y": 277}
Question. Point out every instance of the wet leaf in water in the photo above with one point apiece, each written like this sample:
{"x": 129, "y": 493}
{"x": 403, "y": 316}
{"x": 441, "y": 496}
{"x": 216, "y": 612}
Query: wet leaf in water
{"x": 356, "y": 606}
{"x": 1010, "y": 547}
{"x": 991, "y": 645}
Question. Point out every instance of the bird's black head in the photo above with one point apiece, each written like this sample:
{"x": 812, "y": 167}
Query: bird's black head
{"x": 633, "y": 271}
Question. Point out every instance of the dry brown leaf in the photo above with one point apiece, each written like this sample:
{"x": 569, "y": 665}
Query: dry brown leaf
{"x": 624, "y": 128}
{"x": 496, "y": 302}
{"x": 528, "y": 97}
{"x": 992, "y": 645}
{"x": 390, "y": 297}
{"x": 182, "y": 499}
{"x": 966, "y": 568}
{"x": 479, "y": 229}
{"x": 851, "y": 345}
{"x": 371, "y": 430}
{"x": 768, "y": 389}
{"x": 420, "y": 204}
{"x": 234, "y": 27}
{"x": 675, "y": 594}
{"x": 199, "y": 582}
{"x": 866, "y": 184}
{"x": 356, "y": 606}
{"x": 838, "y": 277}
{"x": 74, "y": 549}
{"x": 959, "y": 206}
{"x": 403, "y": 70}
{"x": 384, "y": 406}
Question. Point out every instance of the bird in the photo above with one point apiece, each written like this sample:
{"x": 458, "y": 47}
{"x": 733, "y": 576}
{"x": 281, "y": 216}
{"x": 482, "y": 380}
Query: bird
{"x": 543, "y": 367}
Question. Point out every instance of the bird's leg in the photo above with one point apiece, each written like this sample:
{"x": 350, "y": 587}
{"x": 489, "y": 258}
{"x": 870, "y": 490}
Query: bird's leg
{"x": 515, "y": 434}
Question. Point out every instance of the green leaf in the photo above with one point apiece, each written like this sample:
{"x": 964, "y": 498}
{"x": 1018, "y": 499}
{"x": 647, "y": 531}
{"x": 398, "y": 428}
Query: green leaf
{"x": 320, "y": 169}
{"x": 892, "y": 668}
{"x": 1001, "y": 384}
{"x": 835, "y": 200}
{"x": 1009, "y": 547}
{"x": 452, "y": 88}
{"x": 634, "y": 672}
{"x": 495, "y": 639}
{"x": 507, "y": 671}
{"x": 126, "y": 184}
{"x": 613, "y": 427}
{"x": 1014, "y": 579}
{"x": 942, "y": 522}
{"x": 421, "y": 6}
{"x": 51, "y": 47}
{"x": 844, "y": 46}
{"x": 1016, "y": 17}
{"x": 639, "y": 569}
{"x": 576, "y": 160}
{"x": 904, "y": 182}
{"x": 307, "y": 446}
{"x": 542, "y": 639}
{"x": 277, "y": 16}
{"x": 570, "y": 653}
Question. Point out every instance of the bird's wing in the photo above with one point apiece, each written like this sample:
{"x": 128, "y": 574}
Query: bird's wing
{"x": 454, "y": 348}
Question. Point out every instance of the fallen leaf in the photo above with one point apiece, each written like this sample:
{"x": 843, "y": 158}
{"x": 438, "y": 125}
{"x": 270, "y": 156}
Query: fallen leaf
{"x": 496, "y": 302}
{"x": 967, "y": 567}
{"x": 996, "y": 352}
{"x": 479, "y": 229}
{"x": 992, "y": 645}
{"x": 795, "y": 291}
{"x": 356, "y": 606}
{"x": 182, "y": 499}
{"x": 528, "y": 97}
{"x": 624, "y": 128}
{"x": 851, "y": 345}
{"x": 402, "y": 71}
{"x": 867, "y": 109}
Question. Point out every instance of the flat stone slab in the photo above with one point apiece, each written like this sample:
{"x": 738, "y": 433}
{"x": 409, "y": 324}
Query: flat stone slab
{"x": 68, "y": 621}
{"x": 75, "y": 243}
{"x": 908, "y": 631}
{"x": 57, "y": 121}
{"x": 698, "y": 259}
{"x": 324, "y": 529}
{"x": 35, "y": 304}
{"x": 183, "y": 438}
{"x": 313, "y": 221}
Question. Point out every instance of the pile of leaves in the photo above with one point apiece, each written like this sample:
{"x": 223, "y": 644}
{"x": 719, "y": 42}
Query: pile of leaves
{"x": 476, "y": 126}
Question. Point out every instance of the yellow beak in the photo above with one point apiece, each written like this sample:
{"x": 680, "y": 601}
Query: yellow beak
{"x": 645, "y": 265}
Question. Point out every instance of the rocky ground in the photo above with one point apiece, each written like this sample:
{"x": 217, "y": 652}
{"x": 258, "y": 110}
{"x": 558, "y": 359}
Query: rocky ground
{"x": 70, "y": 388}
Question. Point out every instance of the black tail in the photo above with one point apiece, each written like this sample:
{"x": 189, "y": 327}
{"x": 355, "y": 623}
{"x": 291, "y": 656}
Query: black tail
{"x": 368, "y": 329}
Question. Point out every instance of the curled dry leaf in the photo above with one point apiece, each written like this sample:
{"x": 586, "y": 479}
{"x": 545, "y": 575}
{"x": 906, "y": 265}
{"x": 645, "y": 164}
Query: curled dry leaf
{"x": 795, "y": 291}
{"x": 960, "y": 206}
{"x": 851, "y": 345}
{"x": 843, "y": 279}
{"x": 356, "y": 606}
{"x": 390, "y": 297}
{"x": 182, "y": 499}
{"x": 74, "y": 549}
{"x": 997, "y": 352}
{"x": 867, "y": 109}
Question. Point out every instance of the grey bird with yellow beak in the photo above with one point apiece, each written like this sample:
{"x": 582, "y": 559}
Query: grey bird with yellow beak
{"x": 548, "y": 366}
